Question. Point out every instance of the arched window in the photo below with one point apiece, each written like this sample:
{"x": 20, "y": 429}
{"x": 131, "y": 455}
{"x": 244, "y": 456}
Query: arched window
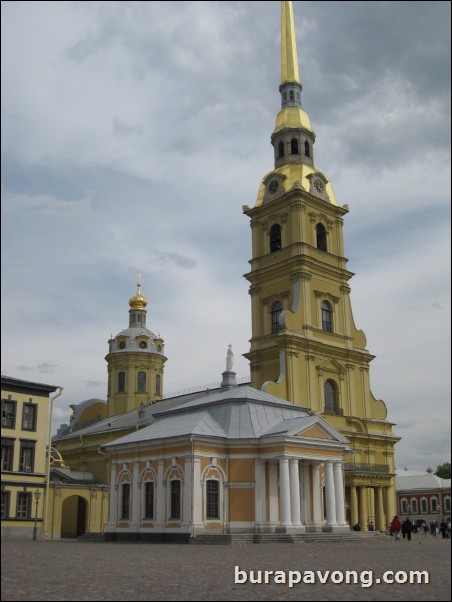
{"x": 294, "y": 146}
{"x": 212, "y": 499}
{"x": 275, "y": 238}
{"x": 175, "y": 500}
{"x": 424, "y": 505}
{"x": 447, "y": 504}
{"x": 321, "y": 237}
{"x": 157, "y": 384}
{"x": 414, "y": 505}
{"x": 433, "y": 504}
{"x": 281, "y": 149}
{"x": 331, "y": 402}
{"x": 291, "y": 95}
{"x": 125, "y": 501}
{"x": 327, "y": 323}
{"x": 149, "y": 500}
{"x": 276, "y": 312}
{"x": 121, "y": 382}
{"x": 404, "y": 506}
{"x": 307, "y": 149}
{"x": 141, "y": 382}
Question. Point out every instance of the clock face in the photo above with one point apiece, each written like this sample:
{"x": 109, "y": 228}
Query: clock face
{"x": 318, "y": 186}
{"x": 273, "y": 186}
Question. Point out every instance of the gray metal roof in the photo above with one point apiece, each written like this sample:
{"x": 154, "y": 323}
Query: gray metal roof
{"x": 237, "y": 413}
{"x": 407, "y": 480}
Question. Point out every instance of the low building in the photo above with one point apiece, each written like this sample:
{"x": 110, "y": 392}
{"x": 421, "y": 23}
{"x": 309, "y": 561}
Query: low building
{"x": 422, "y": 496}
{"x": 26, "y": 409}
{"x": 235, "y": 460}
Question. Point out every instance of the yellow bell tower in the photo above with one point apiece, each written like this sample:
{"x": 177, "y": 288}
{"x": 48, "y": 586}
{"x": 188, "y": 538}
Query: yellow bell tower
{"x": 305, "y": 347}
{"x": 135, "y": 362}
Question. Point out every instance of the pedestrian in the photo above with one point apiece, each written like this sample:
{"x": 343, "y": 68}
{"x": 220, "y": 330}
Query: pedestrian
{"x": 408, "y": 528}
{"x": 425, "y": 527}
{"x": 396, "y": 527}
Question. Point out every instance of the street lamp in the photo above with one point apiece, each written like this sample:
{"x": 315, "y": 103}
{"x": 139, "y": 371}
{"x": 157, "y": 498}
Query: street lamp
{"x": 37, "y": 495}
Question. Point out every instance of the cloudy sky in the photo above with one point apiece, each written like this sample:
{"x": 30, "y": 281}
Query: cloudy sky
{"x": 133, "y": 133}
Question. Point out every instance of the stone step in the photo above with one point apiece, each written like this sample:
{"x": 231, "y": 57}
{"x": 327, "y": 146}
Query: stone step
{"x": 292, "y": 538}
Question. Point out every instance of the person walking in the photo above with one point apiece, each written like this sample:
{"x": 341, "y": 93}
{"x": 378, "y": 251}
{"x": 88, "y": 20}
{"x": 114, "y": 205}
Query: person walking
{"x": 408, "y": 528}
{"x": 396, "y": 527}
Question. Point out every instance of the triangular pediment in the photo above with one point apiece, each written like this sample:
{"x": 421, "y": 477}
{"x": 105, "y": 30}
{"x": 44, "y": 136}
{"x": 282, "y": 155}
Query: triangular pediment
{"x": 331, "y": 365}
{"x": 317, "y": 428}
{"x": 315, "y": 432}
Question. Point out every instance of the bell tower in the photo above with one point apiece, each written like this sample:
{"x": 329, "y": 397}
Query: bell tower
{"x": 135, "y": 362}
{"x": 305, "y": 346}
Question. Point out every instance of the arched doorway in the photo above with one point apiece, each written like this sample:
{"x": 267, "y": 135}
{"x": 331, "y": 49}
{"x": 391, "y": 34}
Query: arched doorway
{"x": 74, "y": 514}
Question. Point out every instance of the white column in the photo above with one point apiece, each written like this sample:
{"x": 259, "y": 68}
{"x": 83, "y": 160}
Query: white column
{"x": 316, "y": 497}
{"x": 307, "y": 513}
{"x": 330, "y": 494}
{"x": 339, "y": 491}
{"x": 273, "y": 492}
{"x": 197, "y": 493}
{"x": 113, "y": 497}
{"x": 294, "y": 492}
{"x": 284, "y": 492}
{"x": 186, "y": 508}
{"x": 160, "y": 497}
{"x": 135, "y": 518}
{"x": 259, "y": 500}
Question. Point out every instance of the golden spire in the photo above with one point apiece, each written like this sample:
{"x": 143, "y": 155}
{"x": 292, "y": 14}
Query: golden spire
{"x": 289, "y": 58}
{"x": 138, "y": 301}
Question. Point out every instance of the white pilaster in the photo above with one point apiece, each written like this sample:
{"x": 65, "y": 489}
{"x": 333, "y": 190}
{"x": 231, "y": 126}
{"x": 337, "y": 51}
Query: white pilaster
{"x": 330, "y": 494}
{"x": 113, "y": 497}
{"x": 160, "y": 497}
{"x": 186, "y": 507}
{"x": 135, "y": 518}
{"x": 339, "y": 491}
{"x": 197, "y": 493}
{"x": 284, "y": 492}
{"x": 307, "y": 513}
{"x": 294, "y": 492}
{"x": 316, "y": 497}
{"x": 273, "y": 492}
{"x": 259, "y": 500}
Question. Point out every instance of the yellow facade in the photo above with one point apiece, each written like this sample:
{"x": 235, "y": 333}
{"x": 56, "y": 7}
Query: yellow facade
{"x": 25, "y": 425}
{"x": 305, "y": 346}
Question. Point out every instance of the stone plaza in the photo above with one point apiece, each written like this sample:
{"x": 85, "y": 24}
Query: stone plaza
{"x": 75, "y": 570}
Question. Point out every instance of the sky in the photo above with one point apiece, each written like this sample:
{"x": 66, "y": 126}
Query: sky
{"x": 134, "y": 132}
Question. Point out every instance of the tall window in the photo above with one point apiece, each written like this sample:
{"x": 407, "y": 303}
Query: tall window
{"x": 5, "y": 504}
{"x": 141, "y": 382}
{"x": 125, "y": 501}
{"x": 8, "y": 413}
{"x": 404, "y": 507}
{"x": 447, "y": 504}
{"x": 331, "y": 404}
{"x": 158, "y": 384}
{"x": 294, "y": 146}
{"x": 7, "y": 454}
{"x": 307, "y": 149}
{"x": 149, "y": 500}
{"x": 424, "y": 507}
{"x": 414, "y": 505}
{"x": 23, "y": 506}
{"x": 327, "y": 325}
{"x": 276, "y": 312}
{"x": 433, "y": 504}
{"x": 27, "y": 456}
{"x": 275, "y": 238}
{"x": 321, "y": 236}
{"x": 121, "y": 382}
{"x": 29, "y": 414}
{"x": 281, "y": 149}
{"x": 175, "y": 499}
{"x": 212, "y": 499}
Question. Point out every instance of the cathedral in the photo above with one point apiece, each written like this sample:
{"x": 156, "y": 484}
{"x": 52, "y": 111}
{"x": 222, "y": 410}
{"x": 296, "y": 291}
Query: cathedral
{"x": 305, "y": 446}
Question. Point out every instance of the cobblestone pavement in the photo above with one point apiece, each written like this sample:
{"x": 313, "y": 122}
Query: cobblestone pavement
{"x": 73, "y": 570}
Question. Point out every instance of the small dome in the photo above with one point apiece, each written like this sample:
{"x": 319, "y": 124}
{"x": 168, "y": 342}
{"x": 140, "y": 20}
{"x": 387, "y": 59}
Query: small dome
{"x": 138, "y": 301}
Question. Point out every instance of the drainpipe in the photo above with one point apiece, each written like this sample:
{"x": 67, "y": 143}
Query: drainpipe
{"x": 49, "y": 447}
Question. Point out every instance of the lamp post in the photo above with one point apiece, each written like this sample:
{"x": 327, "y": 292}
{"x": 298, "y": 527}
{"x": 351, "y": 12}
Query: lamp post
{"x": 37, "y": 495}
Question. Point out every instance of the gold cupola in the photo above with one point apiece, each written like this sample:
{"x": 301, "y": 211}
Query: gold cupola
{"x": 138, "y": 301}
